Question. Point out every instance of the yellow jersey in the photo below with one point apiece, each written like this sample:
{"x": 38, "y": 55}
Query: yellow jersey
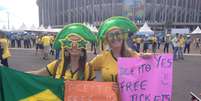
{"x": 138, "y": 40}
{"x": 46, "y": 40}
{"x": 107, "y": 64}
{"x": 153, "y": 39}
{"x": 181, "y": 42}
{"x": 89, "y": 73}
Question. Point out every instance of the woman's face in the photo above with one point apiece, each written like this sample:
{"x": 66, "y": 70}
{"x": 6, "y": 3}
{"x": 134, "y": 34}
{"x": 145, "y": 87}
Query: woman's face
{"x": 115, "y": 38}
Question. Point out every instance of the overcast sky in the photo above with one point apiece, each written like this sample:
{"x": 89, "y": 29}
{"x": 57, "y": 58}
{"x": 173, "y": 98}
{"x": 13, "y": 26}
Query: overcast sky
{"x": 20, "y": 11}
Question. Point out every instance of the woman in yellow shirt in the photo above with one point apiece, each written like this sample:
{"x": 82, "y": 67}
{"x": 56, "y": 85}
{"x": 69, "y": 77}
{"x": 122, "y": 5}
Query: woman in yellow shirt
{"x": 180, "y": 47}
{"x": 72, "y": 62}
{"x": 113, "y": 32}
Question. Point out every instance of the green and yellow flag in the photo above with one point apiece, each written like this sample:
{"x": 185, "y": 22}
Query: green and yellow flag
{"x": 20, "y": 86}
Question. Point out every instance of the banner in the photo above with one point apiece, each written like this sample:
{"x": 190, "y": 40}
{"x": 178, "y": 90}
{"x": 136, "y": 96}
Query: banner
{"x": 89, "y": 91}
{"x": 146, "y": 79}
{"x": 134, "y": 9}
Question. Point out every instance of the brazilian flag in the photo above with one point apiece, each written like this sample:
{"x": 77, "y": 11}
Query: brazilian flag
{"x": 20, "y": 86}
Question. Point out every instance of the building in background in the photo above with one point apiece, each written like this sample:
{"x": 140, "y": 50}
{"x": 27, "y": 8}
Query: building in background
{"x": 158, "y": 13}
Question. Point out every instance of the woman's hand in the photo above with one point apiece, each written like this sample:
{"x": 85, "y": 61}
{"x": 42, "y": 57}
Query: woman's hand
{"x": 146, "y": 55}
{"x": 115, "y": 88}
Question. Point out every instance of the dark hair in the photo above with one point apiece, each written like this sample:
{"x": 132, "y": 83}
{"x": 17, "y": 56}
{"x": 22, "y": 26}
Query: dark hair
{"x": 67, "y": 61}
{"x": 124, "y": 50}
{"x": 82, "y": 62}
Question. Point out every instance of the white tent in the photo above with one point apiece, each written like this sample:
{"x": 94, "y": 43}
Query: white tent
{"x": 95, "y": 29}
{"x": 197, "y": 31}
{"x": 43, "y": 29}
{"x": 145, "y": 30}
{"x": 91, "y": 27}
{"x": 22, "y": 28}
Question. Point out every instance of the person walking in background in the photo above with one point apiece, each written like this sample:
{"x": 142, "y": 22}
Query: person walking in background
{"x": 175, "y": 46}
{"x": 33, "y": 39}
{"x": 46, "y": 40}
{"x": 181, "y": 42}
{"x": 154, "y": 43}
{"x": 25, "y": 40}
{"x": 18, "y": 38}
{"x": 12, "y": 38}
{"x": 167, "y": 42}
{"x": 138, "y": 42}
{"x": 197, "y": 42}
{"x": 38, "y": 43}
{"x": 187, "y": 44}
{"x": 29, "y": 40}
{"x": 4, "y": 50}
{"x": 158, "y": 41}
{"x": 146, "y": 44}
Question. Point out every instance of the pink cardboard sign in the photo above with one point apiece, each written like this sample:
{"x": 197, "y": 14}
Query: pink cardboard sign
{"x": 146, "y": 79}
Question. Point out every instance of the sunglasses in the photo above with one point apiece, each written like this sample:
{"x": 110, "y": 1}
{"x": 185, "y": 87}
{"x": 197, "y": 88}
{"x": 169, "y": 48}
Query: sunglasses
{"x": 118, "y": 35}
{"x": 72, "y": 44}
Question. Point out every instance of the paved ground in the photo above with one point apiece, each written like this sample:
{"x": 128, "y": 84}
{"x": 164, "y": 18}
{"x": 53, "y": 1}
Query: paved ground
{"x": 187, "y": 73}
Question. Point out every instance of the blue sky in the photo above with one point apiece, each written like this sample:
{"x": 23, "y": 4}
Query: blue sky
{"x": 20, "y": 11}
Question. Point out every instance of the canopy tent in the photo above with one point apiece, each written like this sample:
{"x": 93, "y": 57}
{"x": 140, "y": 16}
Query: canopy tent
{"x": 196, "y": 31}
{"x": 145, "y": 30}
{"x": 22, "y": 28}
{"x": 91, "y": 27}
{"x": 43, "y": 29}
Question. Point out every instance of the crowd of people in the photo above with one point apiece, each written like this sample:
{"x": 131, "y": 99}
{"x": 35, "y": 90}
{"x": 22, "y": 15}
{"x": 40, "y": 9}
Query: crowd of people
{"x": 25, "y": 40}
{"x": 116, "y": 39}
{"x": 179, "y": 43}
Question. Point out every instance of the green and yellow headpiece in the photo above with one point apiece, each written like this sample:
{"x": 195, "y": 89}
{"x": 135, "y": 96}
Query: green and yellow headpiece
{"x": 75, "y": 29}
{"x": 120, "y": 22}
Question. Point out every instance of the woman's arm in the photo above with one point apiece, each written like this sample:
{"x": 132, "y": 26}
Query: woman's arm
{"x": 41, "y": 72}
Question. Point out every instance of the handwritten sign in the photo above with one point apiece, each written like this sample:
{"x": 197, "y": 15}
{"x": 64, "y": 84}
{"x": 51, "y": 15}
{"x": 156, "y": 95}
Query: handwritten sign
{"x": 146, "y": 79}
{"x": 89, "y": 91}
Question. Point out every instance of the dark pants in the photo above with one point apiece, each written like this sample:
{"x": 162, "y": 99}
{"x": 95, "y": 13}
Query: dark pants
{"x": 28, "y": 43}
{"x": 19, "y": 43}
{"x": 138, "y": 47}
{"x": 197, "y": 45}
{"x": 12, "y": 43}
{"x": 159, "y": 44}
{"x": 180, "y": 53}
{"x": 145, "y": 47}
{"x": 187, "y": 47}
{"x": 175, "y": 53}
{"x": 3, "y": 61}
{"x": 166, "y": 48}
{"x": 154, "y": 46}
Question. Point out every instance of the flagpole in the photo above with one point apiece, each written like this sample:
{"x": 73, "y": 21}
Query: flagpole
{"x": 8, "y": 14}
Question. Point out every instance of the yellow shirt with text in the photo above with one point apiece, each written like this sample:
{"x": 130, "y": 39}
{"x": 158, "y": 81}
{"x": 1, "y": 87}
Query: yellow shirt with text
{"x": 107, "y": 64}
{"x": 89, "y": 73}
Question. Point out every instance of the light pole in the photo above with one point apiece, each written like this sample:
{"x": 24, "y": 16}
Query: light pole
{"x": 8, "y": 14}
